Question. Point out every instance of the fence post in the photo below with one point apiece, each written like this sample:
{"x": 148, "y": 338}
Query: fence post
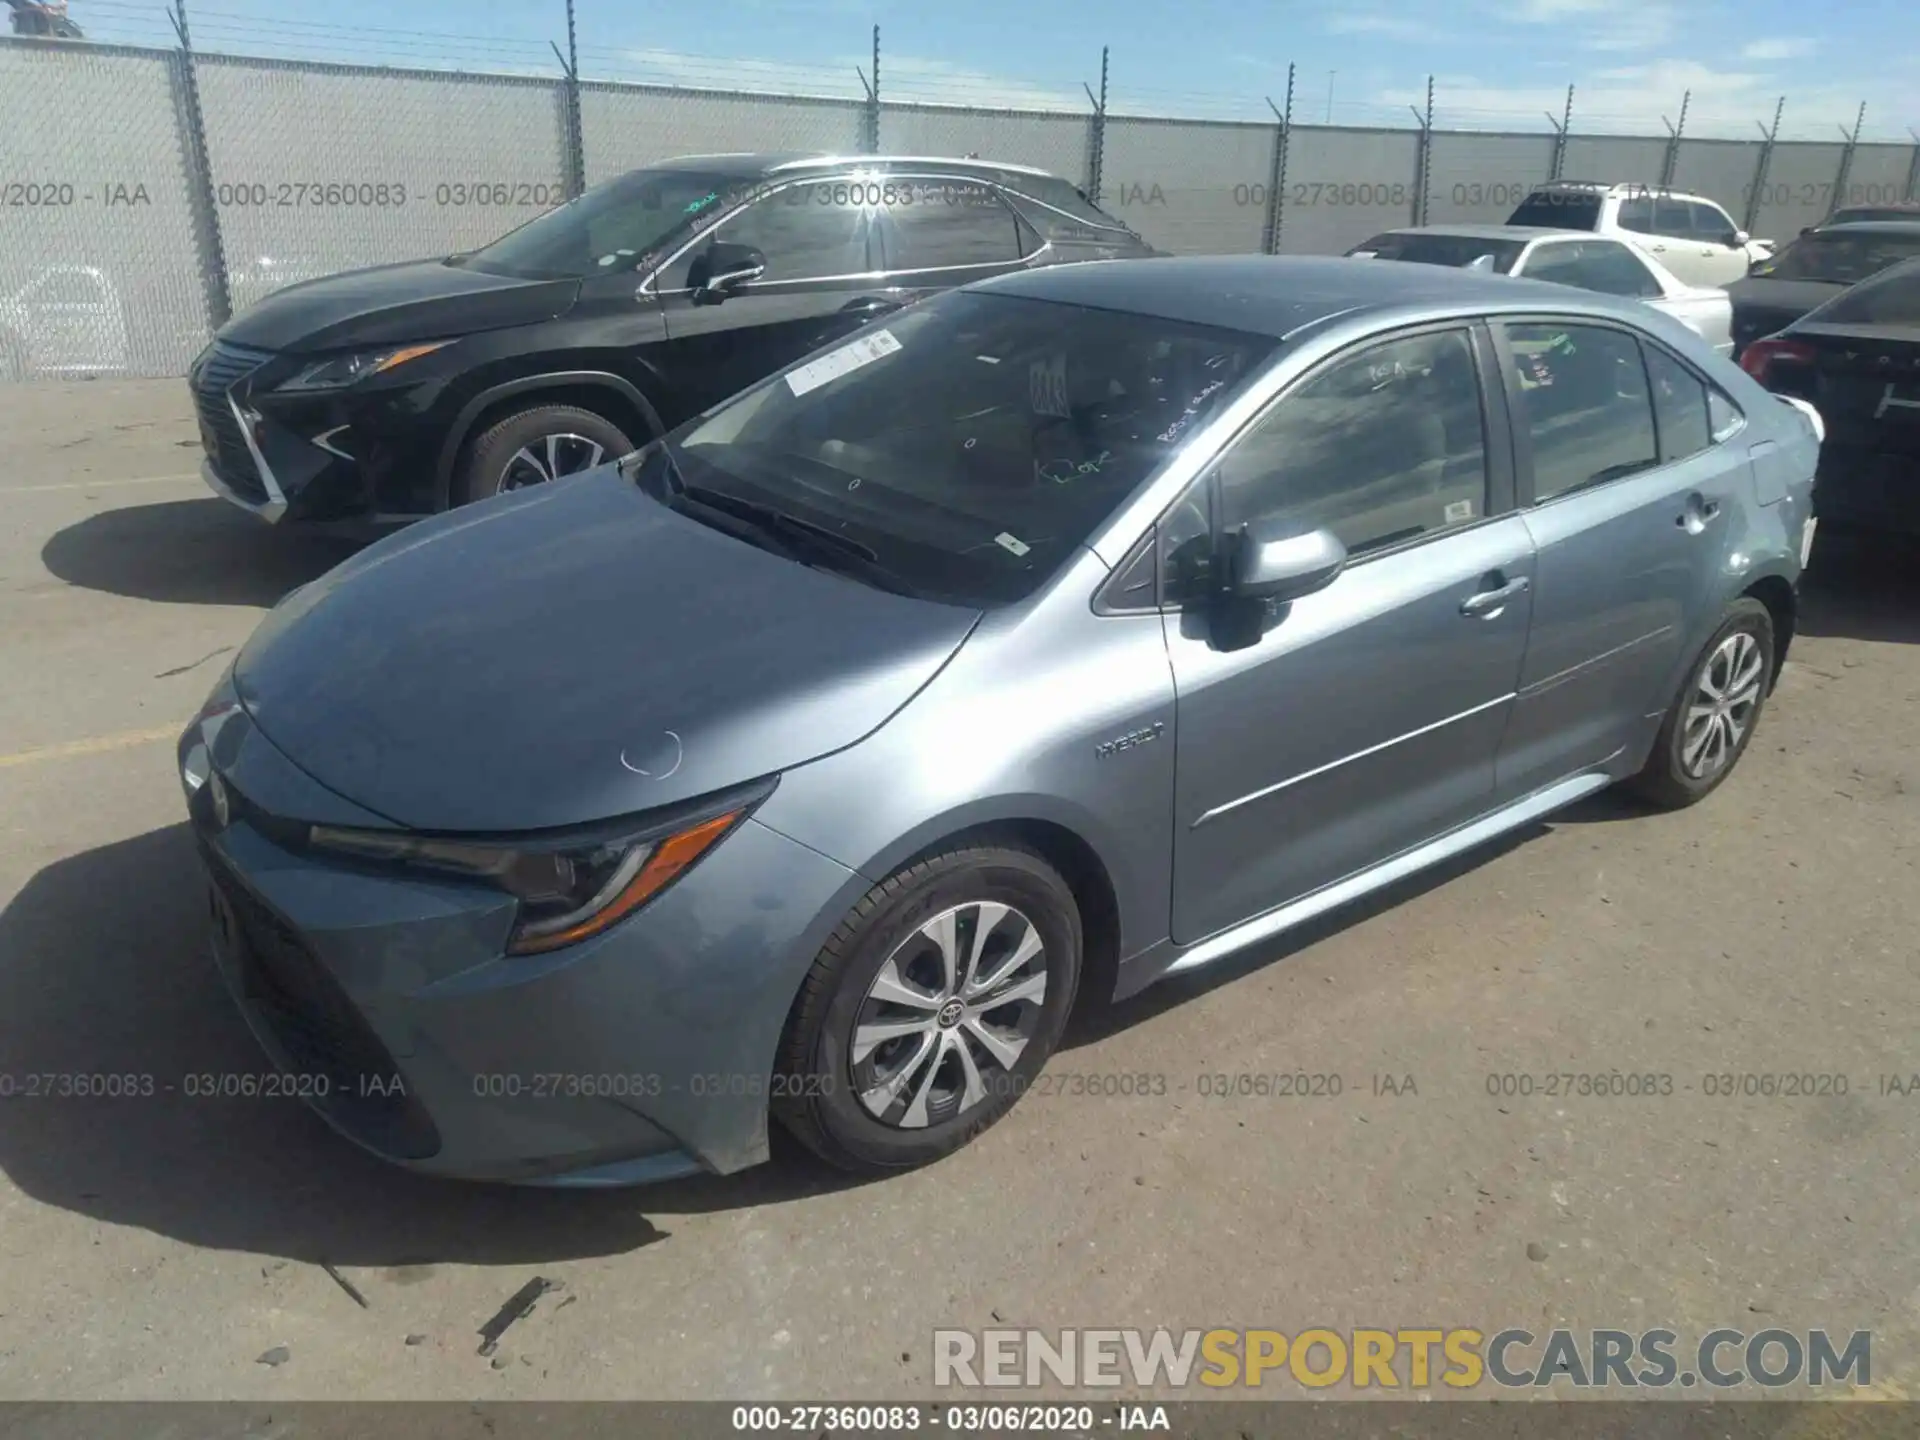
{"x": 1423, "y": 157}
{"x": 1672, "y": 159}
{"x": 576, "y": 131}
{"x": 1846, "y": 160}
{"x": 1277, "y": 174}
{"x": 1097, "y": 132}
{"x": 213, "y": 259}
{"x": 1760, "y": 169}
{"x": 1560, "y": 137}
{"x": 1913, "y": 166}
{"x": 873, "y": 99}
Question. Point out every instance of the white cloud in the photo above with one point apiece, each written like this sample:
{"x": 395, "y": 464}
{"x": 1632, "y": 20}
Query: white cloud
{"x": 1387, "y": 27}
{"x": 1598, "y": 24}
{"x": 1785, "y": 47}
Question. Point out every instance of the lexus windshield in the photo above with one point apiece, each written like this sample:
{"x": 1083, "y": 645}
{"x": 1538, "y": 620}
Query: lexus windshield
{"x": 610, "y": 227}
{"x": 970, "y": 445}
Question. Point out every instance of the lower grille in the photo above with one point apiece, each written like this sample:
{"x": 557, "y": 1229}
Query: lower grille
{"x": 325, "y": 1039}
{"x": 213, "y": 375}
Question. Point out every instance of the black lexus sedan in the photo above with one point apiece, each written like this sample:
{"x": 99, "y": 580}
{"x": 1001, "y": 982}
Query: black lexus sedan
{"x": 386, "y": 394}
{"x": 1856, "y": 359}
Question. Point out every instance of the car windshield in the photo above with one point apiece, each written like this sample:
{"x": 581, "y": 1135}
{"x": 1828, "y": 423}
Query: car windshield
{"x": 972, "y": 444}
{"x": 1455, "y": 250}
{"x": 1559, "y": 210}
{"x": 609, "y": 227}
{"x": 1839, "y": 257}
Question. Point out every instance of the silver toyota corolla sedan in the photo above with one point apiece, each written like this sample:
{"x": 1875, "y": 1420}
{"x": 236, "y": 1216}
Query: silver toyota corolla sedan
{"x": 1061, "y": 633}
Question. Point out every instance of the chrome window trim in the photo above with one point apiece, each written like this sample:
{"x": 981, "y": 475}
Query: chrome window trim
{"x": 763, "y": 286}
{"x": 829, "y": 160}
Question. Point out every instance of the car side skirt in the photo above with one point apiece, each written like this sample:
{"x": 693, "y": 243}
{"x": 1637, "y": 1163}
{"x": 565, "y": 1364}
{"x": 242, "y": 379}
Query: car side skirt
{"x": 1509, "y": 817}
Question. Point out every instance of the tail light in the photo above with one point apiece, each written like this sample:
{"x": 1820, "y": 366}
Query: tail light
{"x": 1760, "y": 357}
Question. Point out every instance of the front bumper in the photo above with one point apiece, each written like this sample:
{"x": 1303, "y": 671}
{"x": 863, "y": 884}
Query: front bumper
{"x": 642, "y": 1054}
{"x": 350, "y": 455}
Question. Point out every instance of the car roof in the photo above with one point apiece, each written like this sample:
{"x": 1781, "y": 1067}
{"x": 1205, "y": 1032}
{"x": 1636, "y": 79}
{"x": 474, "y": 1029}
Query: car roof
{"x": 1619, "y": 187}
{"x": 772, "y": 162}
{"x": 1499, "y": 232}
{"x": 1277, "y": 295}
{"x": 1870, "y": 227}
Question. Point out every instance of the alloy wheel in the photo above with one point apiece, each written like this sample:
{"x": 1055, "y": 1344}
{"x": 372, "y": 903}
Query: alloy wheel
{"x": 949, "y": 1015}
{"x": 548, "y": 458}
{"x": 1726, "y": 696}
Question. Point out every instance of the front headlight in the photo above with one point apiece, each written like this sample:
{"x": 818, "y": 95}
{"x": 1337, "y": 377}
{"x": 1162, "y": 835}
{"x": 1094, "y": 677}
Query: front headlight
{"x": 343, "y": 370}
{"x": 568, "y": 890}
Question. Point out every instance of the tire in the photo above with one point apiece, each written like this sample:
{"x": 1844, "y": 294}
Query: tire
{"x": 496, "y": 459}
{"x": 828, "y": 1100}
{"x": 1668, "y": 780}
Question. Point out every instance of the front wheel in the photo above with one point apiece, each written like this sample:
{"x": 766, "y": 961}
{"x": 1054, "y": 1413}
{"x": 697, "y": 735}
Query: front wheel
{"x": 536, "y": 446}
{"x": 1713, "y": 717}
{"x": 930, "y": 1009}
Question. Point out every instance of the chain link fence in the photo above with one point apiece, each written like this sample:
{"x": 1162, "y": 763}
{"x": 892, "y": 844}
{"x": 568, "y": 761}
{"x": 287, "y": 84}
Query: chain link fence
{"x": 147, "y": 193}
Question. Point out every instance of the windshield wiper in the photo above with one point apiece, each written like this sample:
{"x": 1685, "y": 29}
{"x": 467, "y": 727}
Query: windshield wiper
{"x": 796, "y": 538}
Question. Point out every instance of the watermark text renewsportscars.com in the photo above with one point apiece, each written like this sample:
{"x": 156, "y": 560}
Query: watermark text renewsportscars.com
{"x": 1412, "y": 1358}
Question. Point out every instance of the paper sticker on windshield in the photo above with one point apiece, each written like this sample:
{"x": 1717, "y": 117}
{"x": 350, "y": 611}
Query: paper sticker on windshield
{"x": 848, "y": 358}
{"x": 1458, "y": 510}
{"x": 1047, "y": 387}
{"x": 1008, "y": 542}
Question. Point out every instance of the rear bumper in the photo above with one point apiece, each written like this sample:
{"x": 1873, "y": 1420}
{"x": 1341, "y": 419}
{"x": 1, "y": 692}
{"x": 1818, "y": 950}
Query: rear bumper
{"x": 1868, "y": 489}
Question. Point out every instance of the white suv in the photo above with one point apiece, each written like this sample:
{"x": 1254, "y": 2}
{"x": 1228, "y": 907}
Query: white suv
{"x": 1688, "y": 234}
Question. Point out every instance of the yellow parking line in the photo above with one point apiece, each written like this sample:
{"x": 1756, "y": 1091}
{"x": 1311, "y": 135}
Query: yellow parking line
{"x": 123, "y": 741}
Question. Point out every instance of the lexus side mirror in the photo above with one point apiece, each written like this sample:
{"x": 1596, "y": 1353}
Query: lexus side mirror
{"x": 1741, "y": 237}
{"x": 724, "y": 268}
{"x": 1271, "y": 561}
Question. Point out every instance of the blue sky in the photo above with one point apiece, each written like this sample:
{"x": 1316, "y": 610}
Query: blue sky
{"x": 1498, "y": 64}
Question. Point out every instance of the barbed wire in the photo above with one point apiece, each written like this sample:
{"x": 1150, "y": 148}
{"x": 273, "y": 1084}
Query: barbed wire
{"x": 921, "y": 82}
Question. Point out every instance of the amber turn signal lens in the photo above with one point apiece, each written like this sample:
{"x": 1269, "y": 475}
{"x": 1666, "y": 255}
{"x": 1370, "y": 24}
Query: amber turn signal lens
{"x": 670, "y": 857}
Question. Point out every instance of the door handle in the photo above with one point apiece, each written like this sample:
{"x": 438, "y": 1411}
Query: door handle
{"x": 1488, "y": 603}
{"x": 1699, "y": 514}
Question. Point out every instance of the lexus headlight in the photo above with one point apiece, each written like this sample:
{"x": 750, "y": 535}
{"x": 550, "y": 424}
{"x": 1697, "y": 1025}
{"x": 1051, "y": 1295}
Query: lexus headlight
{"x": 568, "y": 890}
{"x": 343, "y": 370}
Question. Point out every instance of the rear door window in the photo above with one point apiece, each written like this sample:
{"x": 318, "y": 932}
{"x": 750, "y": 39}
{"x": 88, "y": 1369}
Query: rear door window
{"x": 1581, "y": 397}
{"x": 1679, "y": 405}
{"x": 947, "y": 224}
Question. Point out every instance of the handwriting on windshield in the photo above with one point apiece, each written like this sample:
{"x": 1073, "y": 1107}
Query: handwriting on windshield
{"x": 1065, "y": 472}
{"x": 1174, "y": 431}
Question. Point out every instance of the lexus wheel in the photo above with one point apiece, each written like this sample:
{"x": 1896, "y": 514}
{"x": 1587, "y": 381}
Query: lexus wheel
{"x": 930, "y": 1009}
{"x": 1713, "y": 717}
{"x": 536, "y": 446}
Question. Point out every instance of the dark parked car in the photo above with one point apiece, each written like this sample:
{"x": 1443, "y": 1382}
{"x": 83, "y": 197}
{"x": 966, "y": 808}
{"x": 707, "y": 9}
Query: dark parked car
{"x": 1907, "y": 210}
{"x": 390, "y": 393}
{"x": 1814, "y": 269}
{"x": 1856, "y": 359}
{"x": 1061, "y": 633}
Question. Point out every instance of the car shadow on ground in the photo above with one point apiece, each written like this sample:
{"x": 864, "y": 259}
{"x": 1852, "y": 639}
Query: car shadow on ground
{"x": 1862, "y": 587}
{"x": 104, "y": 972}
{"x": 192, "y": 552}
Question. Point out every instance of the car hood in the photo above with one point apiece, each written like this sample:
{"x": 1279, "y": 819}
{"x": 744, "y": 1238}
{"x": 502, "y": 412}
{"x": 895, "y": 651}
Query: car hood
{"x": 573, "y": 653}
{"x": 390, "y": 304}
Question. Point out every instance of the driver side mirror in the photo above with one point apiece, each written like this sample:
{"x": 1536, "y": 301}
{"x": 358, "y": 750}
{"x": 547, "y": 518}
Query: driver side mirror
{"x": 723, "y": 268}
{"x": 1740, "y": 237}
{"x": 1270, "y": 561}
